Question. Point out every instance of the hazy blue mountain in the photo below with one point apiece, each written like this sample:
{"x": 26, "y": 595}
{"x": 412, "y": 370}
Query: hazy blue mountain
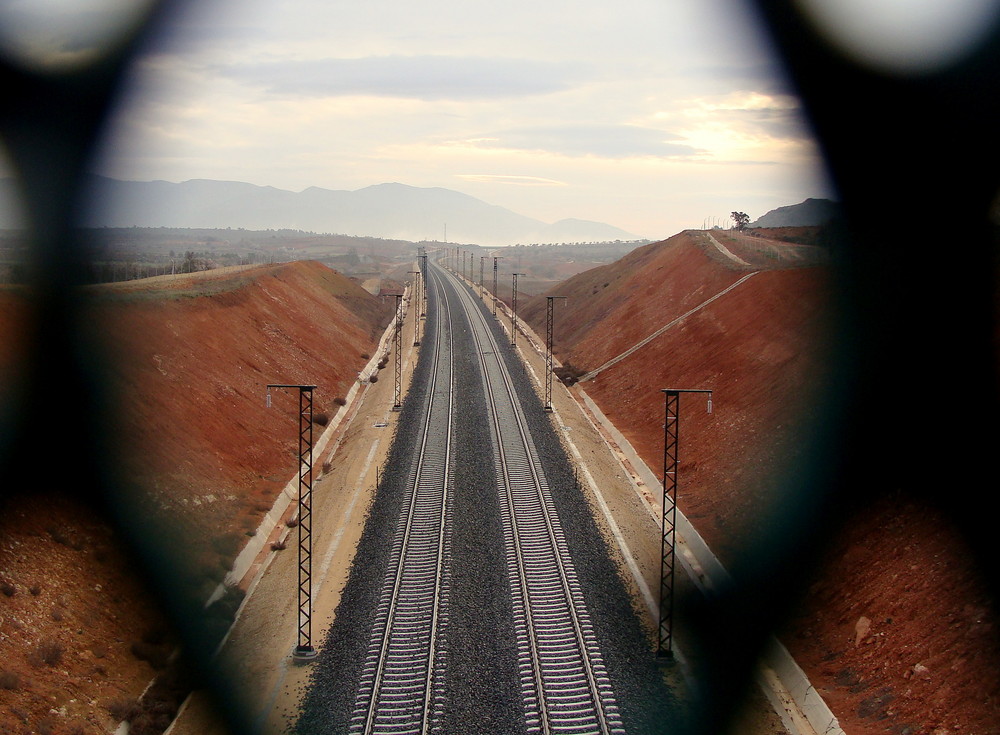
{"x": 383, "y": 210}
{"x": 810, "y": 213}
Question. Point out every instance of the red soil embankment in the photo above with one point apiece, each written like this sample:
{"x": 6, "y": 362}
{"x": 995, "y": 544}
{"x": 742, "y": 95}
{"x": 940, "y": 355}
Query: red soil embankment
{"x": 194, "y": 359}
{"x": 896, "y": 632}
{"x": 191, "y": 358}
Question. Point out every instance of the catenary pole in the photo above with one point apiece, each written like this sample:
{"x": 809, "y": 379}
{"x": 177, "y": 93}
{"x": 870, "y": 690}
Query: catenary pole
{"x": 549, "y": 301}
{"x": 304, "y": 650}
{"x": 668, "y": 519}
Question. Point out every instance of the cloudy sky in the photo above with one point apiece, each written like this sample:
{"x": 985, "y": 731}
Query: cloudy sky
{"x": 651, "y": 115}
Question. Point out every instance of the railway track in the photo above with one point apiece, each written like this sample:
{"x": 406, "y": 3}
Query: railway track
{"x": 403, "y": 673}
{"x": 564, "y": 686}
{"x": 564, "y": 683}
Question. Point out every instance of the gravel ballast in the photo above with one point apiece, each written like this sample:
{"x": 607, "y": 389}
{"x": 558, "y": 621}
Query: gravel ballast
{"x": 481, "y": 677}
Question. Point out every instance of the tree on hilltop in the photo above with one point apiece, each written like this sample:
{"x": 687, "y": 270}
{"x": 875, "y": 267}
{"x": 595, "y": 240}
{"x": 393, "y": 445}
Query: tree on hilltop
{"x": 742, "y": 219}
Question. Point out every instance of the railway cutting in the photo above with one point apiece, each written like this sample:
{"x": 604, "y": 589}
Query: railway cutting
{"x": 470, "y": 608}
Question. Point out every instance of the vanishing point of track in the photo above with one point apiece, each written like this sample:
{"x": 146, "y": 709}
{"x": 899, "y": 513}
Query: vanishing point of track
{"x": 563, "y": 683}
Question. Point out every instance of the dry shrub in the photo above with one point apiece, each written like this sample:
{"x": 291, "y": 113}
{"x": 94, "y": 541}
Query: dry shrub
{"x": 373, "y": 379}
{"x": 47, "y": 653}
{"x": 322, "y": 418}
{"x": 568, "y": 373}
{"x": 125, "y": 709}
{"x": 278, "y": 546}
{"x": 10, "y": 680}
{"x": 338, "y": 401}
{"x": 8, "y": 589}
{"x": 64, "y": 537}
{"x": 149, "y": 723}
{"x": 156, "y": 656}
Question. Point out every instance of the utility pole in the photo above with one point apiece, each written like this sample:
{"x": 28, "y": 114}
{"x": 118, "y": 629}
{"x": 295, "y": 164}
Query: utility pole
{"x": 549, "y": 302}
{"x": 423, "y": 270}
{"x": 398, "y": 350}
{"x": 416, "y": 312}
{"x": 495, "y": 295}
{"x": 304, "y": 651}
{"x": 513, "y": 311}
{"x": 668, "y": 521}
{"x": 482, "y": 259}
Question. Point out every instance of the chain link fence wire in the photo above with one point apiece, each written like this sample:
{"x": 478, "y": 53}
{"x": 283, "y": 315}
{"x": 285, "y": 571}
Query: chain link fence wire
{"x": 912, "y": 406}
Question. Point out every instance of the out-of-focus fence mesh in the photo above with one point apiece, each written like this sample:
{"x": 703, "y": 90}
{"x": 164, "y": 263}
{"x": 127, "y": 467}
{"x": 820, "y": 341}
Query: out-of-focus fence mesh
{"x": 912, "y": 406}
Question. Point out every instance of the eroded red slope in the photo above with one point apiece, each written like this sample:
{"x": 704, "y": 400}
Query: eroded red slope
{"x": 896, "y": 632}
{"x": 193, "y": 362}
{"x": 192, "y": 357}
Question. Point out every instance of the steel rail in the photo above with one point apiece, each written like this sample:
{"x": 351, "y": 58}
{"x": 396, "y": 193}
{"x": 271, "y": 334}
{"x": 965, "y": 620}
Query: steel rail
{"x": 397, "y": 695}
{"x": 546, "y": 598}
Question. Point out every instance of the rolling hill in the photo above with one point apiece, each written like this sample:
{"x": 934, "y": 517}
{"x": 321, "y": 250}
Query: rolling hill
{"x": 388, "y": 210}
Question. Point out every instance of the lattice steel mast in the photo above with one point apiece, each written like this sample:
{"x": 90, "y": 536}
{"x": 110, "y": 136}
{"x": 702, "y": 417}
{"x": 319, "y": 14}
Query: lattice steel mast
{"x": 513, "y": 311}
{"x": 549, "y": 301}
{"x": 397, "y": 348}
{"x": 415, "y": 300}
{"x": 668, "y": 521}
{"x": 495, "y": 259}
{"x": 304, "y": 650}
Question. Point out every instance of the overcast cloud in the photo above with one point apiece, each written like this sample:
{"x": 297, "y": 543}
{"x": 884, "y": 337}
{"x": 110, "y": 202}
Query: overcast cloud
{"x": 411, "y": 77}
{"x": 582, "y": 139}
{"x": 652, "y": 115}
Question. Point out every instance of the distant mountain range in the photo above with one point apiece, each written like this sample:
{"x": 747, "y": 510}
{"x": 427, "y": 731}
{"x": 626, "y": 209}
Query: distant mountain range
{"x": 384, "y": 210}
{"x": 810, "y": 213}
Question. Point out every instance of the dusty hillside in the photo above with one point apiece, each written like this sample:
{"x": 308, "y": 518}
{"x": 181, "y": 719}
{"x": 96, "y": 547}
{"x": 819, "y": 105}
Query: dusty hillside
{"x": 896, "y": 632}
{"x": 193, "y": 354}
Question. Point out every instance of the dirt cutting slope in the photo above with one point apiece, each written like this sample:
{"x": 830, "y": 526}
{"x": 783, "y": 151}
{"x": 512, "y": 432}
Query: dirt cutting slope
{"x": 192, "y": 355}
{"x": 194, "y": 359}
{"x": 896, "y": 632}
{"x": 629, "y": 298}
